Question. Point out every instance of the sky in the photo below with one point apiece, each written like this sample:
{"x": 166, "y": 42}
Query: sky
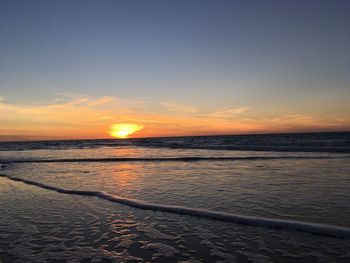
{"x": 74, "y": 68}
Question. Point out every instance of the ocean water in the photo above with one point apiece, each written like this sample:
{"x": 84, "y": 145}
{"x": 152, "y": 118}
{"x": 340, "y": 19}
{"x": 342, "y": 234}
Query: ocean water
{"x": 251, "y": 198}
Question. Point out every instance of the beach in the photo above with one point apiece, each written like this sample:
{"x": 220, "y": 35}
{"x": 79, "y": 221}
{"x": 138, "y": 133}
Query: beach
{"x": 139, "y": 201}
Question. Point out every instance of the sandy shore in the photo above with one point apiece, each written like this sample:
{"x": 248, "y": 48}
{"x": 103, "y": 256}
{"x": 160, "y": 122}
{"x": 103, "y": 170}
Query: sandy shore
{"x": 43, "y": 226}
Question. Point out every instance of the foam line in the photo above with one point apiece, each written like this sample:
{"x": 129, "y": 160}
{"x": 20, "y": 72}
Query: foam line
{"x": 313, "y": 228}
{"x": 172, "y": 159}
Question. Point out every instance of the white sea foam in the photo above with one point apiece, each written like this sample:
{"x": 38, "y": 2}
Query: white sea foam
{"x": 315, "y": 228}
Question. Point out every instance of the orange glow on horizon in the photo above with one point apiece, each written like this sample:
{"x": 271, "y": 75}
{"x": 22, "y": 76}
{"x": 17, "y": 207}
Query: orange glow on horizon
{"x": 98, "y": 118}
{"x": 123, "y": 130}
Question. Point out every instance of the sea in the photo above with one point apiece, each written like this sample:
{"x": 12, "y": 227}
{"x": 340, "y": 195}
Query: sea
{"x": 235, "y": 198}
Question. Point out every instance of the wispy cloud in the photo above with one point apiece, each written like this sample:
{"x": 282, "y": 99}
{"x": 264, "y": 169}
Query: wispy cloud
{"x": 228, "y": 112}
{"x": 88, "y": 117}
{"x": 179, "y": 108}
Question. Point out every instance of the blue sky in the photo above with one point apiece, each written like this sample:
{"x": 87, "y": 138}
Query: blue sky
{"x": 285, "y": 56}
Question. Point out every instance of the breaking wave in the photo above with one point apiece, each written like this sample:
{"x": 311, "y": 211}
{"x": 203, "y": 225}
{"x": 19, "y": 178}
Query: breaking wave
{"x": 313, "y": 228}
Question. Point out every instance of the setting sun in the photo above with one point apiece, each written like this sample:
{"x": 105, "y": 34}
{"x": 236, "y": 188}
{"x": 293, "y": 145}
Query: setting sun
{"x": 122, "y": 130}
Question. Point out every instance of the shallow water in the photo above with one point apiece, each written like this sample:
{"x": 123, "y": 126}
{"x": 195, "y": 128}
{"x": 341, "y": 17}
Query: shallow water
{"x": 42, "y": 225}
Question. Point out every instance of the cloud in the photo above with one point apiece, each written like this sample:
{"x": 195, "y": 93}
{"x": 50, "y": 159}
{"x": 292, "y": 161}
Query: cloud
{"x": 295, "y": 118}
{"x": 228, "y": 112}
{"x": 103, "y": 101}
{"x": 88, "y": 117}
{"x": 180, "y": 108}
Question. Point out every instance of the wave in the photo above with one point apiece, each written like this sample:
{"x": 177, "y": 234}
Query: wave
{"x": 258, "y": 148}
{"x": 171, "y": 159}
{"x": 337, "y": 142}
{"x": 298, "y": 142}
{"x": 314, "y": 228}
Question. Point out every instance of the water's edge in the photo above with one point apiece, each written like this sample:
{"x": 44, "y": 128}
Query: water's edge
{"x": 308, "y": 227}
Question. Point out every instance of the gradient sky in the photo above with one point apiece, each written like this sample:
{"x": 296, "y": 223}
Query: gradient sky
{"x": 71, "y": 69}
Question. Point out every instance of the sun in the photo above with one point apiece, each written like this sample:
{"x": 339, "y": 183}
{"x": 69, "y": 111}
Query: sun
{"x": 123, "y": 130}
